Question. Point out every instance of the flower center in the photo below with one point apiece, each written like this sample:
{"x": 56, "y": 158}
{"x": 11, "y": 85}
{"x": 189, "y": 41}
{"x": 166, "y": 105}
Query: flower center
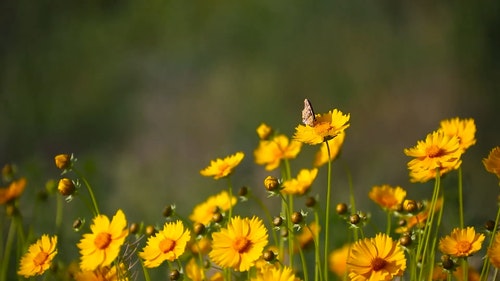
{"x": 102, "y": 240}
{"x": 40, "y": 258}
{"x": 241, "y": 244}
{"x": 434, "y": 151}
{"x": 378, "y": 264}
{"x": 167, "y": 245}
{"x": 463, "y": 246}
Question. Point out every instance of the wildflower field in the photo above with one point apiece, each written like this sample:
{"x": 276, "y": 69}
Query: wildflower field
{"x": 218, "y": 241}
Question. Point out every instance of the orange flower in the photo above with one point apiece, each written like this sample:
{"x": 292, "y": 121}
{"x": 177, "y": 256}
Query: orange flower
{"x": 12, "y": 192}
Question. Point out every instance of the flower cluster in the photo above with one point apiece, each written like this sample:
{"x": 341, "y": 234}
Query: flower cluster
{"x": 294, "y": 241}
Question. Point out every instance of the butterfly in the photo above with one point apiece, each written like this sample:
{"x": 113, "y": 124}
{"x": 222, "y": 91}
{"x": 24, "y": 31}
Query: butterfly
{"x": 308, "y": 117}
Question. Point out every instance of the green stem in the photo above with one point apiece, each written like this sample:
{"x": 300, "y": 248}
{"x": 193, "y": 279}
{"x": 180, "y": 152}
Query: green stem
{"x": 460, "y": 198}
{"x": 327, "y": 213}
{"x": 304, "y": 264}
{"x": 89, "y": 189}
{"x": 268, "y": 215}
{"x": 389, "y": 222}
{"x": 486, "y": 263}
{"x": 423, "y": 247}
{"x": 145, "y": 271}
{"x": 230, "y": 191}
{"x": 8, "y": 248}
{"x": 317, "y": 265}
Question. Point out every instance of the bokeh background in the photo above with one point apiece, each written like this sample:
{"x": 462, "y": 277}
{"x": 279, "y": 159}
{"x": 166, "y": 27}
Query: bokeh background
{"x": 146, "y": 93}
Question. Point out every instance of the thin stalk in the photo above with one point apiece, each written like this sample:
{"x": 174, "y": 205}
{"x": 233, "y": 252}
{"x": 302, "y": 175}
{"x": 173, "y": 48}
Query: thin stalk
{"x": 327, "y": 213}
{"x": 230, "y": 191}
{"x": 389, "y": 222}
{"x": 8, "y": 248}
{"x": 460, "y": 198}
{"x": 89, "y": 189}
{"x": 486, "y": 263}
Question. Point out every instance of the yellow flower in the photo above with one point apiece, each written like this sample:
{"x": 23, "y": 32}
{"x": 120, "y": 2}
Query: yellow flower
{"x": 107, "y": 273}
{"x": 204, "y": 212}
{"x": 464, "y": 129}
{"x": 494, "y": 252}
{"x": 221, "y": 168}
{"x": 337, "y": 260}
{"x": 492, "y": 163}
{"x": 374, "y": 259}
{"x": 102, "y": 246}
{"x": 307, "y": 235}
{"x": 271, "y": 152}
{"x": 326, "y": 126}
{"x": 39, "y": 256}
{"x": 15, "y": 189}
{"x": 387, "y": 197}
{"x": 264, "y": 131}
{"x": 276, "y": 274}
{"x": 461, "y": 242}
{"x": 301, "y": 184}
{"x": 334, "y": 144}
{"x": 437, "y": 151}
{"x": 167, "y": 244}
{"x": 240, "y": 244}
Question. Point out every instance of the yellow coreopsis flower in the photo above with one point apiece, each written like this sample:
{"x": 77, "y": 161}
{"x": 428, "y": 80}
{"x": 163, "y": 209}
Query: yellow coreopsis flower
{"x": 302, "y": 183}
{"x": 464, "y": 129}
{"x": 39, "y": 257}
{"x": 375, "y": 259}
{"x": 387, "y": 197}
{"x": 325, "y": 127}
{"x": 438, "y": 151}
{"x": 271, "y": 152}
{"x": 334, "y": 144}
{"x": 240, "y": 244}
{"x": 102, "y": 246}
{"x": 494, "y": 252}
{"x": 276, "y": 274}
{"x": 337, "y": 260}
{"x": 204, "y": 212}
{"x": 492, "y": 162}
{"x": 221, "y": 168}
{"x": 13, "y": 191}
{"x": 461, "y": 242}
{"x": 106, "y": 273}
{"x": 167, "y": 244}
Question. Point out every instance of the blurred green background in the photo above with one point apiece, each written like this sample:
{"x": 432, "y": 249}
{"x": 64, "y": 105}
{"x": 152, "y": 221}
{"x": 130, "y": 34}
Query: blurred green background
{"x": 146, "y": 93}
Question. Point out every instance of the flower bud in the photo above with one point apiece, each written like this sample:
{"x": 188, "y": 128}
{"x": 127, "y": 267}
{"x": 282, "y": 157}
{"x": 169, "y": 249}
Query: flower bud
{"x": 150, "y": 230}
{"x": 77, "y": 224}
{"x": 198, "y": 228}
{"x": 296, "y": 217}
{"x": 134, "y": 228}
{"x": 354, "y": 219}
{"x": 489, "y": 225}
{"x": 66, "y": 187}
{"x": 264, "y": 131}
{"x": 63, "y": 161}
{"x": 167, "y": 211}
{"x": 410, "y": 206}
{"x": 271, "y": 183}
{"x": 341, "y": 208}
{"x": 310, "y": 202}
{"x": 243, "y": 191}
{"x": 175, "y": 274}
{"x": 269, "y": 256}
{"x": 277, "y": 221}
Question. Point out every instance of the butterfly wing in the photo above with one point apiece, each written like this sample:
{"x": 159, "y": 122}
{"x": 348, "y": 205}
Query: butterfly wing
{"x": 308, "y": 113}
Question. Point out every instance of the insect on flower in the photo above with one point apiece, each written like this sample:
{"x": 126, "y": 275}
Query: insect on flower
{"x": 308, "y": 117}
